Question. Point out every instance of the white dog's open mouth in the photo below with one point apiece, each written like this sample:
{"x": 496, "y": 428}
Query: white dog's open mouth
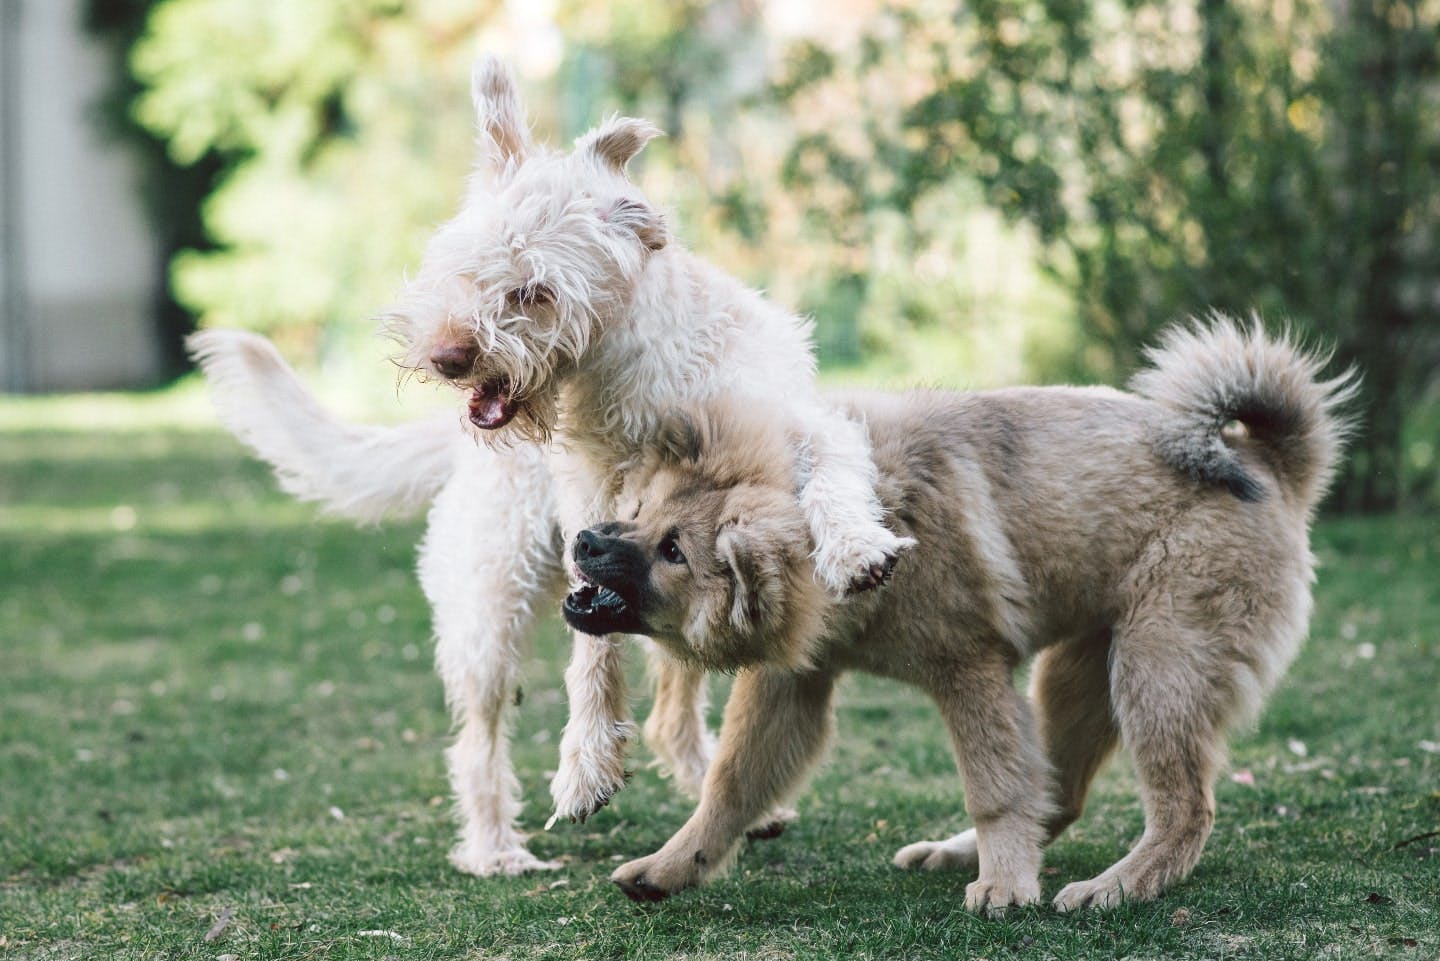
{"x": 491, "y": 404}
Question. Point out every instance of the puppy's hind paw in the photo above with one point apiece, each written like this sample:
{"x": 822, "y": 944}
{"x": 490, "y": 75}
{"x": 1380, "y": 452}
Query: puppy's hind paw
{"x": 772, "y": 825}
{"x": 960, "y": 853}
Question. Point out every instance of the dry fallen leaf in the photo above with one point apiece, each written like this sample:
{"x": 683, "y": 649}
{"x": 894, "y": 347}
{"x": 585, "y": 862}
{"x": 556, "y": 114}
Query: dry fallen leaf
{"x": 221, "y": 923}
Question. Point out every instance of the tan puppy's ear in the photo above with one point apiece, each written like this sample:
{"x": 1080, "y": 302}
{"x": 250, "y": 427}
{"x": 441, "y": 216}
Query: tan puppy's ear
{"x": 759, "y": 593}
{"x": 501, "y": 132}
{"x": 677, "y": 439}
{"x": 777, "y": 609}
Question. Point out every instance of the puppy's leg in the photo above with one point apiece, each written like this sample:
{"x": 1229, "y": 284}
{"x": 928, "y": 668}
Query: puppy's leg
{"x": 776, "y": 726}
{"x": 676, "y": 729}
{"x": 854, "y": 551}
{"x": 592, "y": 748}
{"x": 1171, "y": 706}
{"x": 1070, "y": 695}
{"x": 486, "y": 565}
{"x": 678, "y": 734}
{"x": 1007, "y": 783}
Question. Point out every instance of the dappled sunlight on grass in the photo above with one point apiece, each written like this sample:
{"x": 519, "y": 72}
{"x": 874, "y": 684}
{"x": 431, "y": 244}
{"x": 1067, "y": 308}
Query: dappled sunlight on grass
{"x": 180, "y": 405}
{"x": 130, "y": 524}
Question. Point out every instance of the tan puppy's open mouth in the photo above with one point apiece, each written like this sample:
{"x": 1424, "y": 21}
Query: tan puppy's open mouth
{"x": 598, "y": 611}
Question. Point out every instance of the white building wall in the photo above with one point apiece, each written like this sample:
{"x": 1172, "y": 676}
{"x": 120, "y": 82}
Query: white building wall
{"x": 80, "y": 280}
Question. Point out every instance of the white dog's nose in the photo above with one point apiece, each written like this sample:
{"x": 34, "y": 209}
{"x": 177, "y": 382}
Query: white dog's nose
{"x": 454, "y": 360}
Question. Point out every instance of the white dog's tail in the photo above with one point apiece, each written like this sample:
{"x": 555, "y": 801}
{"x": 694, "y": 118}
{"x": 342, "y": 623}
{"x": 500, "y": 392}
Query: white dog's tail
{"x": 359, "y": 471}
{"x": 1215, "y": 373}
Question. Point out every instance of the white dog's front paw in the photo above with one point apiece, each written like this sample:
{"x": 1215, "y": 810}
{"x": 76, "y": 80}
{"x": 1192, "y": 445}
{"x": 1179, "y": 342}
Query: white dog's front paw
{"x": 489, "y": 862}
{"x": 588, "y": 778}
{"x": 854, "y": 564}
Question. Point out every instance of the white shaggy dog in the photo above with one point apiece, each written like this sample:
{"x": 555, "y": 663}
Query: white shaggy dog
{"x": 557, "y": 300}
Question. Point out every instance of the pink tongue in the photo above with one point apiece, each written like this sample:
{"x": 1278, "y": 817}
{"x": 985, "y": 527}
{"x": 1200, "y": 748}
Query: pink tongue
{"x": 490, "y": 408}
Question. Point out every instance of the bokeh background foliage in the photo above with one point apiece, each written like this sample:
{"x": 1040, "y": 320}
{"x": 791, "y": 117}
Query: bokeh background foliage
{"x": 974, "y": 194}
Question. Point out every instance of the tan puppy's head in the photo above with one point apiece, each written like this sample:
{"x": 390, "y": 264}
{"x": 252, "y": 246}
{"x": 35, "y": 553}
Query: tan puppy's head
{"x": 713, "y": 560}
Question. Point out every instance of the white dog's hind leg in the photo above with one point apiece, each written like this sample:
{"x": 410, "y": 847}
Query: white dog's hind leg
{"x": 490, "y": 559}
{"x": 854, "y": 551}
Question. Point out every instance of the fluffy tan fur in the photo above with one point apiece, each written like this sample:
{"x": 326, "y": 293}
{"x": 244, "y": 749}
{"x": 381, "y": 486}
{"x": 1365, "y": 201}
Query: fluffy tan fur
{"x": 1149, "y": 550}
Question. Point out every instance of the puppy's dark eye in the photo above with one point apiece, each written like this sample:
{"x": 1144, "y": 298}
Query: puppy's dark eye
{"x": 533, "y": 294}
{"x": 670, "y": 549}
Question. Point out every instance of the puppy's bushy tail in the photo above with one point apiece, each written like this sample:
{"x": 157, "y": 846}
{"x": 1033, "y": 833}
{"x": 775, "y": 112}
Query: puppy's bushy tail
{"x": 1217, "y": 372}
{"x": 359, "y": 471}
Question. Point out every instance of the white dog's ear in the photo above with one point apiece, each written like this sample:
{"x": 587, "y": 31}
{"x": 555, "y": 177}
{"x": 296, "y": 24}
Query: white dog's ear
{"x": 644, "y": 221}
{"x": 501, "y": 131}
{"x": 614, "y": 142}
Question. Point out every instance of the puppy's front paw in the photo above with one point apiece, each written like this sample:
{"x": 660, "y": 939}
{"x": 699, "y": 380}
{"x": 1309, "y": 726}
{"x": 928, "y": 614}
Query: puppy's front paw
{"x": 656, "y": 878}
{"x": 1105, "y": 891}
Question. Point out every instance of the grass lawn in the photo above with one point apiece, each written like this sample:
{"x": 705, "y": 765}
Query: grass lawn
{"x": 220, "y": 737}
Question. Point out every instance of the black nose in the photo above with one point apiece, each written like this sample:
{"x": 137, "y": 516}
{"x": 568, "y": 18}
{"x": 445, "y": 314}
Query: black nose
{"x": 597, "y": 541}
{"x": 590, "y": 545}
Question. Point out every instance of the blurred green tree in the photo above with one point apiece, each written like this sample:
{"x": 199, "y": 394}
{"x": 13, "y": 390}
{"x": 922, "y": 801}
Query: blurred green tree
{"x": 1154, "y": 157}
{"x": 336, "y": 135}
{"x": 1173, "y": 156}
{"x": 341, "y": 134}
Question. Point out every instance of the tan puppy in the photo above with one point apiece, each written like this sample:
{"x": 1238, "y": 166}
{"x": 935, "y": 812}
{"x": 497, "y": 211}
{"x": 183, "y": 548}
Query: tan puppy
{"x": 1149, "y": 550}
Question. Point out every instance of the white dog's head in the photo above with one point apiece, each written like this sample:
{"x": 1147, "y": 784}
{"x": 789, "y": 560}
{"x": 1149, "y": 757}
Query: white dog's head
{"x": 543, "y": 255}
